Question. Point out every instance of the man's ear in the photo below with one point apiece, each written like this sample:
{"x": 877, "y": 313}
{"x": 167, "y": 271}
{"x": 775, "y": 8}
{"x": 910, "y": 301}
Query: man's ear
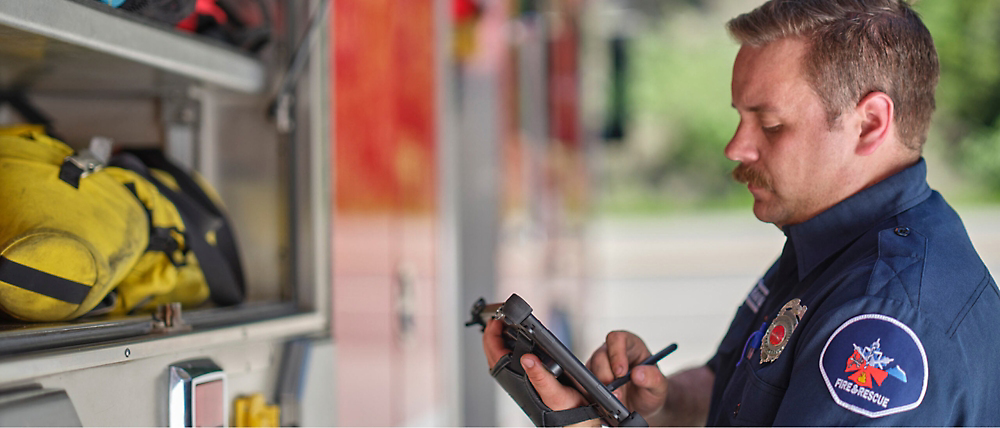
{"x": 877, "y": 114}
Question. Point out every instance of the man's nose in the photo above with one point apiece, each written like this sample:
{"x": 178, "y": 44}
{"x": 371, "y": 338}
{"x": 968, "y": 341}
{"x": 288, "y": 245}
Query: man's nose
{"x": 742, "y": 147}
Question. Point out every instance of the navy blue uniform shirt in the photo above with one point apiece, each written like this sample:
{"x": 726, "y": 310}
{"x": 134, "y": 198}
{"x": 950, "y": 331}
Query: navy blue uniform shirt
{"x": 898, "y": 323}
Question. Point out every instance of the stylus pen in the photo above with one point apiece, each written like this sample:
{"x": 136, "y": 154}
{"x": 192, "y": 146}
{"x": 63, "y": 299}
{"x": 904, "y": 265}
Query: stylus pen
{"x": 653, "y": 359}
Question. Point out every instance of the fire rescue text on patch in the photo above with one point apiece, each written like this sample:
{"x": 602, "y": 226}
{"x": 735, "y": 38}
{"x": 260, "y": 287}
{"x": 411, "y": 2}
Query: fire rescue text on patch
{"x": 867, "y": 394}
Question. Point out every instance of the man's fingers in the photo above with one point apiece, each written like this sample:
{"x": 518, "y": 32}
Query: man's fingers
{"x": 625, "y": 350}
{"x": 617, "y": 352}
{"x": 493, "y": 342}
{"x": 600, "y": 365}
{"x": 647, "y": 390}
{"x": 554, "y": 394}
{"x": 649, "y": 377}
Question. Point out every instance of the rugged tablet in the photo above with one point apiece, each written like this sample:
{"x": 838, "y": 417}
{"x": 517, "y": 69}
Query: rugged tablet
{"x": 523, "y": 333}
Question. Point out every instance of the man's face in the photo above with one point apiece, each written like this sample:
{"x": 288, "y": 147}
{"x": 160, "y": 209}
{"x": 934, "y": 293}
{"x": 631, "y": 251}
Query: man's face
{"x": 795, "y": 165}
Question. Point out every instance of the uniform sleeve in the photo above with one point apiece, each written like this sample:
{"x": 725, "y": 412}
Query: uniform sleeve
{"x": 868, "y": 364}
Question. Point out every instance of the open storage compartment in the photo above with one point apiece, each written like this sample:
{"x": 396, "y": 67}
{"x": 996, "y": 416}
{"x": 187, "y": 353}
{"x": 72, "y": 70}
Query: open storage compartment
{"x": 98, "y": 71}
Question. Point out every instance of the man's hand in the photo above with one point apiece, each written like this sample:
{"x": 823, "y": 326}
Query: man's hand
{"x": 554, "y": 394}
{"x": 493, "y": 343}
{"x": 646, "y": 393}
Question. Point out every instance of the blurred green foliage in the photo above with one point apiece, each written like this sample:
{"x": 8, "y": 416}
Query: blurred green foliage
{"x": 679, "y": 85}
{"x": 967, "y": 36}
{"x": 697, "y": 108}
{"x": 680, "y": 74}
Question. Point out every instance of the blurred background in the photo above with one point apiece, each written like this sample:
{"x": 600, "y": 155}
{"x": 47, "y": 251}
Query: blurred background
{"x": 569, "y": 151}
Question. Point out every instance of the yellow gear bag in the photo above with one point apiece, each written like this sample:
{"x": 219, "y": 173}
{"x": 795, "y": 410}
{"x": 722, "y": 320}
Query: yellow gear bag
{"x": 208, "y": 232}
{"x": 167, "y": 271}
{"x": 69, "y": 236}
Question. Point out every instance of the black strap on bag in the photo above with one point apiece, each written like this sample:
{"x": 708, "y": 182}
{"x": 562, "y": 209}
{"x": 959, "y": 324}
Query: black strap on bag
{"x": 160, "y": 238}
{"x": 43, "y": 283}
{"x": 27, "y": 110}
{"x": 220, "y": 263}
{"x": 225, "y": 238}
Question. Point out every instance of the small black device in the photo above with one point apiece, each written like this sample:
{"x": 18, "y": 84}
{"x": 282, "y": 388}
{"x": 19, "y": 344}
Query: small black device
{"x": 523, "y": 334}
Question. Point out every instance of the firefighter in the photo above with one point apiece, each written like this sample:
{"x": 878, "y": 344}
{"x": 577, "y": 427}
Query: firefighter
{"x": 879, "y": 310}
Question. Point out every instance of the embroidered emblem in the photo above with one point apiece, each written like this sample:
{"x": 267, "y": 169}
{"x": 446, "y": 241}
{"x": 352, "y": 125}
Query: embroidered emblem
{"x": 886, "y": 377}
{"x": 757, "y": 296}
{"x": 780, "y": 331}
{"x": 869, "y": 364}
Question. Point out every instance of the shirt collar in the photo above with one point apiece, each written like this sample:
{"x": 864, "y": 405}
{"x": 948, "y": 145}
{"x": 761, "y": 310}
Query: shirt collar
{"x": 819, "y": 237}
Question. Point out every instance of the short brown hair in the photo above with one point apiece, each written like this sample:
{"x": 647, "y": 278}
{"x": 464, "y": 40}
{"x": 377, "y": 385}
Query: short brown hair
{"x": 856, "y": 47}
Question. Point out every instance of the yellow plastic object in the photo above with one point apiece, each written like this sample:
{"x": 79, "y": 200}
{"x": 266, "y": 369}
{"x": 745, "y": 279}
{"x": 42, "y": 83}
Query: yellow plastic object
{"x": 253, "y": 411}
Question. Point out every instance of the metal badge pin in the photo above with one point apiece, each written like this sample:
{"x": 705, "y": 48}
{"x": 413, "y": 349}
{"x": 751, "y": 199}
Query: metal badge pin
{"x": 781, "y": 330}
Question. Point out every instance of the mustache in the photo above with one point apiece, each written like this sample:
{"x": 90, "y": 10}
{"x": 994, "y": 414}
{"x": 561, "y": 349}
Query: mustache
{"x": 744, "y": 173}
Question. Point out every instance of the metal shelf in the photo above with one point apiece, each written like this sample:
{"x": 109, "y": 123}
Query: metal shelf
{"x": 64, "y": 45}
{"x": 22, "y": 338}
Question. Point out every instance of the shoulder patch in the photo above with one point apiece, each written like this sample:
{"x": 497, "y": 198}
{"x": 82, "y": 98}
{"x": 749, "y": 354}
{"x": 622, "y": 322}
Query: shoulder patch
{"x": 757, "y": 296}
{"x": 875, "y": 366}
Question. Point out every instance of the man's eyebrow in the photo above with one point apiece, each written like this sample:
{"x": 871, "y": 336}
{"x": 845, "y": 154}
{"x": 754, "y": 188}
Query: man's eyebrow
{"x": 762, "y": 108}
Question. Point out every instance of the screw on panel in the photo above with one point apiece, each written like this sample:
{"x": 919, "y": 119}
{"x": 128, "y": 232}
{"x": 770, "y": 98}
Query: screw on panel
{"x": 128, "y": 352}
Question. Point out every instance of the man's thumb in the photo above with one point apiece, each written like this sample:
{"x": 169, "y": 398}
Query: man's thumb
{"x": 552, "y": 392}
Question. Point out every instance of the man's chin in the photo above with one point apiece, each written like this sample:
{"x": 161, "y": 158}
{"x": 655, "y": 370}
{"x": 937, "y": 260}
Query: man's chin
{"x": 759, "y": 212}
{"x": 762, "y": 211}
{"x": 769, "y": 213}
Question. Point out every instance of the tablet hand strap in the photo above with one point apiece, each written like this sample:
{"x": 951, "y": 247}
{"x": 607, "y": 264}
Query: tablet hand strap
{"x": 511, "y": 377}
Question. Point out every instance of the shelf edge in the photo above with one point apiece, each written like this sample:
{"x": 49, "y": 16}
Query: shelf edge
{"x": 83, "y": 26}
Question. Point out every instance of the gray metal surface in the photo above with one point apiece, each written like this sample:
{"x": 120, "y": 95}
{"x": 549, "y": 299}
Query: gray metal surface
{"x": 237, "y": 315}
{"x": 19, "y": 338}
{"x": 240, "y": 155}
{"x": 307, "y": 155}
{"x": 36, "y": 407}
{"x": 55, "y": 362}
{"x": 291, "y": 379}
{"x": 134, "y": 391}
{"x": 100, "y": 48}
{"x": 449, "y": 288}
{"x": 478, "y": 221}
{"x": 184, "y": 378}
{"x": 317, "y": 406}
{"x": 314, "y": 171}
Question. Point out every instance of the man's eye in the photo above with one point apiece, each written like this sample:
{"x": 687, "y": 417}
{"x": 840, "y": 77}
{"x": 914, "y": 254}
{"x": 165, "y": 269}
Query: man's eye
{"x": 772, "y": 129}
